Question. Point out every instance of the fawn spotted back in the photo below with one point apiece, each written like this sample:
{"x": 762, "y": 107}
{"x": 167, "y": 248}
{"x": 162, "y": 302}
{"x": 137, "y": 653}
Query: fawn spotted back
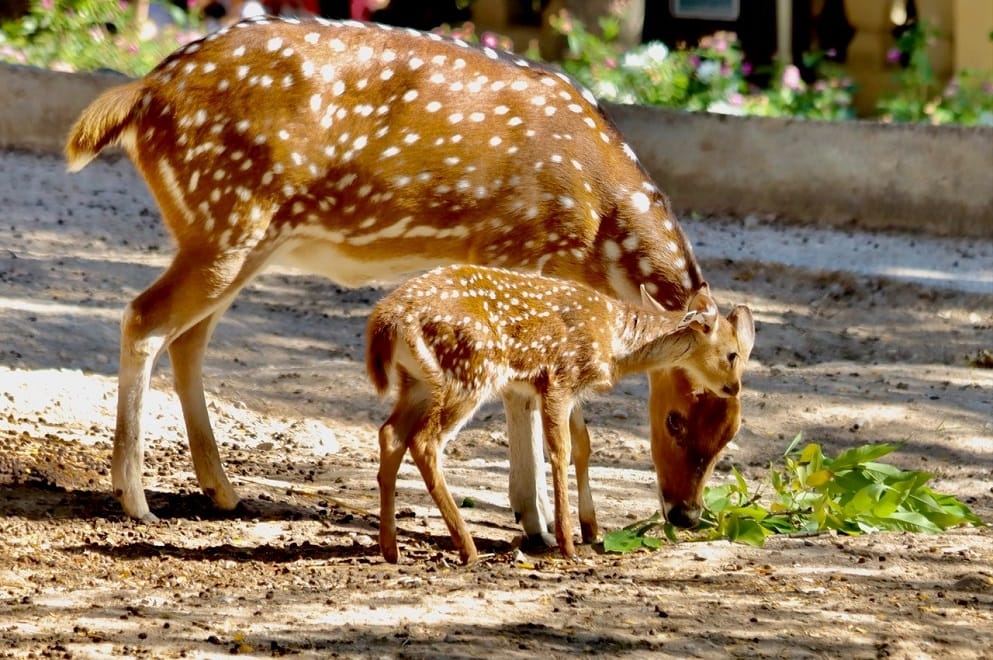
{"x": 365, "y": 152}
{"x": 456, "y": 336}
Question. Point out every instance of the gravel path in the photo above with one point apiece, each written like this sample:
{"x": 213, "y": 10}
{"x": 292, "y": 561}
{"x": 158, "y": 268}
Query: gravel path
{"x": 861, "y": 338}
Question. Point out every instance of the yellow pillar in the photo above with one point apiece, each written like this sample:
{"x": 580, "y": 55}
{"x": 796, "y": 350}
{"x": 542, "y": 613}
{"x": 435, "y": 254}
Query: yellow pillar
{"x": 973, "y": 23}
{"x": 866, "y": 61}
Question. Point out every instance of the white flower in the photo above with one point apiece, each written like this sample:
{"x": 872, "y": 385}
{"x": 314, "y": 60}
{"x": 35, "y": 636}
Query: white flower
{"x": 725, "y": 108}
{"x": 708, "y": 70}
{"x": 645, "y": 56}
{"x": 605, "y": 90}
{"x": 655, "y": 52}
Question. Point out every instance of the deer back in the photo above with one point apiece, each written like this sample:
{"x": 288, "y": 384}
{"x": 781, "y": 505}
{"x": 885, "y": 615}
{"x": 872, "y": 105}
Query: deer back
{"x": 366, "y": 152}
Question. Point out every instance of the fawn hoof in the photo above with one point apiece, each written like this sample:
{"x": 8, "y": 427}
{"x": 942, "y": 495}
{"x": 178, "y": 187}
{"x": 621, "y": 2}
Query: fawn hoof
{"x": 568, "y": 551}
{"x": 389, "y": 549}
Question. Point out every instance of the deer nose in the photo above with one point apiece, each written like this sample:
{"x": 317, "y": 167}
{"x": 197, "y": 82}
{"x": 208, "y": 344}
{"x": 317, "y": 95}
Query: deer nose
{"x": 683, "y": 517}
{"x": 732, "y": 389}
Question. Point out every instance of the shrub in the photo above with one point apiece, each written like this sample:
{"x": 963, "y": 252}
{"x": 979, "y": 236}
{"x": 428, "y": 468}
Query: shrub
{"x": 967, "y": 99}
{"x": 712, "y": 76}
{"x": 87, "y": 35}
{"x": 852, "y": 493}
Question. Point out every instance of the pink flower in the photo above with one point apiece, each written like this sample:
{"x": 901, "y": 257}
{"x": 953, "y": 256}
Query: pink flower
{"x": 746, "y": 68}
{"x": 362, "y": 9}
{"x": 893, "y": 55}
{"x": 490, "y": 40}
{"x": 47, "y": 4}
{"x": 791, "y": 77}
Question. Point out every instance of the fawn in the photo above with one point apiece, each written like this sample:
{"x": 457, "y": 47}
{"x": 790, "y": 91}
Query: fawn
{"x": 367, "y": 153}
{"x": 456, "y": 336}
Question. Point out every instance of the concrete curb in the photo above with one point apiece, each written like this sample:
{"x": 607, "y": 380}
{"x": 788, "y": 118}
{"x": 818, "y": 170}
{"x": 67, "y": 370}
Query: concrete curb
{"x": 38, "y": 107}
{"x": 931, "y": 179}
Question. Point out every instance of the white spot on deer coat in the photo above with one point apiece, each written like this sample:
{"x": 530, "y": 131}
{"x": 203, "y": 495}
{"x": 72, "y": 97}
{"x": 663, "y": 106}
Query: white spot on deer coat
{"x": 641, "y": 202}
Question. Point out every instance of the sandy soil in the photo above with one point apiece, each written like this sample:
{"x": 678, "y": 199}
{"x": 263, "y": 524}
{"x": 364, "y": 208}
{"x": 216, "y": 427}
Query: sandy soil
{"x": 844, "y": 358}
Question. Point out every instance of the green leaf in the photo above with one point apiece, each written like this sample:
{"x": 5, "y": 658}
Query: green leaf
{"x": 819, "y": 478}
{"x": 747, "y": 531}
{"x": 622, "y": 541}
{"x": 860, "y": 455}
{"x": 812, "y": 454}
{"x": 907, "y": 521}
{"x": 797, "y": 439}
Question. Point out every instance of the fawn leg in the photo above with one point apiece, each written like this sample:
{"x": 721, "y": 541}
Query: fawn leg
{"x": 528, "y": 487}
{"x": 394, "y": 435}
{"x": 581, "y": 458}
{"x": 391, "y": 451}
{"x": 424, "y": 446}
{"x": 555, "y": 418}
{"x": 186, "y": 354}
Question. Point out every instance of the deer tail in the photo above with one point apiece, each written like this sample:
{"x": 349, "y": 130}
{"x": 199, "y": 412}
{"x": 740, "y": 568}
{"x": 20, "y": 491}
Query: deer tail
{"x": 102, "y": 123}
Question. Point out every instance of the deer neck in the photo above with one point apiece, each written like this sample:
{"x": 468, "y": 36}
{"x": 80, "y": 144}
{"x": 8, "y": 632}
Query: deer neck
{"x": 636, "y": 242}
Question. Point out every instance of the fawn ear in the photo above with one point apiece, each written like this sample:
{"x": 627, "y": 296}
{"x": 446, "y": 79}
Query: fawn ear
{"x": 649, "y": 302}
{"x": 741, "y": 319}
{"x": 701, "y": 311}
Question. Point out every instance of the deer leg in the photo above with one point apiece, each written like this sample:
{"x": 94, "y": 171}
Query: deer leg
{"x": 424, "y": 449}
{"x": 528, "y": 487}
{"x": 189, "y": 291}
{"x": 555, "y": 418}
{"x": 186, "y": 354}
{"x": 581, "y": 458}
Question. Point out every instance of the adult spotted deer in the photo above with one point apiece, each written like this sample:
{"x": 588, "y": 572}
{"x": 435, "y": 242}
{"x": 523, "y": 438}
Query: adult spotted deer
{"x": 366, "y": 152}
{"x": 454, "y": 337}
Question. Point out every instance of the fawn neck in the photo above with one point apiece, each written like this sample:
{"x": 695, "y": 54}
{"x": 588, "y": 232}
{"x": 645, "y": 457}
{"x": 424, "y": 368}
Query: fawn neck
{"x": 644, "y": 338}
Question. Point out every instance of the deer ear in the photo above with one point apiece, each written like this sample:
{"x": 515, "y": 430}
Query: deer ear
{"x": 701, "y": 310}
{"x": 649, "y": 302}
{"x": 741, "y": 319}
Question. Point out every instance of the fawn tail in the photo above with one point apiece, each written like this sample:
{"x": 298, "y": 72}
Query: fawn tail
{"x": 102, "y": 123}
{"x": 380, "y": 342}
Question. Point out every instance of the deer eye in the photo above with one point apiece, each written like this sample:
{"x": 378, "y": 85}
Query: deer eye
{"x": 676, "y": 425}
{"x": 732, "y": 358}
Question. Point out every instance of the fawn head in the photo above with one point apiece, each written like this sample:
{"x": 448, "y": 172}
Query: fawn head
{"x": 714, "y": 349}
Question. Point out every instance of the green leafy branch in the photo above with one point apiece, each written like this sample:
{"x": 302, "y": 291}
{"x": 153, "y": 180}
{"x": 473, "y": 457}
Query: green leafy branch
{"x": 852, "y": 493}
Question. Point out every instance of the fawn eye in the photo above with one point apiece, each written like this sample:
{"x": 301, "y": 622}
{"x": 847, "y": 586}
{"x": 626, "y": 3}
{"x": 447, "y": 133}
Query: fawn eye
{"x": 732, "y": 357}
{"x": 676, "y": 425}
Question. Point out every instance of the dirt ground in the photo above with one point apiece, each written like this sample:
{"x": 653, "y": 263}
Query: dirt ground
{"x": 845, "y": 359}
